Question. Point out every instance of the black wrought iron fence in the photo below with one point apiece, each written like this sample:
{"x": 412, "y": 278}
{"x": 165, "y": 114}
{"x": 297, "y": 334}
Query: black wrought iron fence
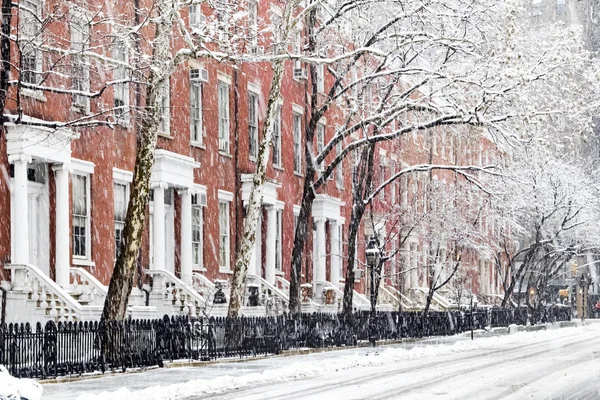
{"x": 77, "y": 348}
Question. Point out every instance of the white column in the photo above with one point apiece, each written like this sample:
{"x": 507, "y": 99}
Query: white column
{"x": 61, "y": 223}
{"x": 159, "y": 226}
{"x": 335, "y": 256}
{"x": 21, "y": 221}
{"x": 186, "y": 236}
{"x": 320, "y": 267}
{"x": 271, "y": 248}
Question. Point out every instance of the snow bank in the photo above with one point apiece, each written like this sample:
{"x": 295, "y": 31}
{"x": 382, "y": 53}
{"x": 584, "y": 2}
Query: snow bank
{"x": 315, "y": 367}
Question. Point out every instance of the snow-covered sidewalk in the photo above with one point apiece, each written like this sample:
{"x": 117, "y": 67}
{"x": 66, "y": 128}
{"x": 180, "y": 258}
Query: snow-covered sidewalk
{"x": 181, "y": 383}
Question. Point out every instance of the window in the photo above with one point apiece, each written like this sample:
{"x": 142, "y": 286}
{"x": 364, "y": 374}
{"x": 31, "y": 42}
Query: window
{"x": 197, "y": 232}
{"x": 320, "y": 78}
{"x": 30, "y": 40}
{"x": 121, "y": 89}
{"x": 164, "y": 104}
{"x": 394, "y": 184}
{"x": 405, "y": 191}
{"x": 195, "y": 108}
{"x": 80, "y": 71}
{"x": 276, "y": 24}
{"x": 253, "y": 25}
{"x": 278, "y": 225}
{"x": 224, "y": 249}
{"x": 253, "y": 124}
{"x": 381, "y": 182}
{"x": 120, "y": 203}
{"x": 277, "y": 137}
{"x": 297, "y": 143}
{"x": 339, "y": 169}
{"x": 196, "y": 17}
{"x": 223, "y": 92}
{"x": 320, "y": 143}
{"x": 81, "y": 216}
{"x": 340, "y": 253}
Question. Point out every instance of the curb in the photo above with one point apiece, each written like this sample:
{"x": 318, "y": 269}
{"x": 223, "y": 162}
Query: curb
{"x": 499, "y": 331}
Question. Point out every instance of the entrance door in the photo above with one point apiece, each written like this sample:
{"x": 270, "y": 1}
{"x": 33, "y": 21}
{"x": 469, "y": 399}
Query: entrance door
{"x": 38, "y": 217}
{"x": 169, "y": 233}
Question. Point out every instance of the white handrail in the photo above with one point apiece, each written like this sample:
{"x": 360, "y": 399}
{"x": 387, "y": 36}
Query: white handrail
{"x": 178, "y": 284}
{"x": 90, "y": 279}
{"x": 358, "y": 300}
{"x": 270, "y": 286}
{"x": 406, "y": 302}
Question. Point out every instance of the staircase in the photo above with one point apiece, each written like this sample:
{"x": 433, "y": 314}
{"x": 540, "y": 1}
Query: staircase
{"x": 273, "y": 299}
{"x": 171, "y": 296}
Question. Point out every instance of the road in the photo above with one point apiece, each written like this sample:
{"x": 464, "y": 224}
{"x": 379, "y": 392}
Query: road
{"x": 560, "y": 367}
{"x": 554, "y": 364}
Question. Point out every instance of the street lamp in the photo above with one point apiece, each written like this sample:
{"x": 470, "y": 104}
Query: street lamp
{"x": 373, "y": 256}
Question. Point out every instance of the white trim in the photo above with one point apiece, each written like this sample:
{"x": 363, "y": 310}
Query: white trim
{"x": 121, "y": 175}
{"x": 82, "y": 166}
{"x": 254, "y": 88}
{"x": 279, "y": 205}
{"x": 276, "y": 10}
{"x": 298, "y": 109}
{"x": 296, "y": 210}
{"x": 198, "y": 188}
{"x": 225, "y": 195}
{"x": 221, "y": 76}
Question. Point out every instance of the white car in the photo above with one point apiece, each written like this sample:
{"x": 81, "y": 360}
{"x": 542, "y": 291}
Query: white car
{"x": 18, "y": 389}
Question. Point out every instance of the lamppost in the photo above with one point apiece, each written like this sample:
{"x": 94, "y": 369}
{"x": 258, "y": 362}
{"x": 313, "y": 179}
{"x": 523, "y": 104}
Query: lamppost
{"x": 372, "y": 255}
{"x": 582, "y": 297}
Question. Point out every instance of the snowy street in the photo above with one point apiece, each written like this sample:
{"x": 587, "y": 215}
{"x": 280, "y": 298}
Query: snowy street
{"x": 558, "y": 363}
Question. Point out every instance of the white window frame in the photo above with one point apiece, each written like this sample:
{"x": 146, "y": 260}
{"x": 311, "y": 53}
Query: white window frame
{"x": 381, "y": 182}
{"x": 253, "y": 25}
{"x": 80, "y": 69}
{"x": 121, "y": 90}
{"x": 297, "y": 127}
{"x": 320, "y": 78}
{"x": 119, "y": 225}
{"x": 278, "y": 240}
{"x": 164, "y": 104}
{"x": 223, "y": 88}
{"x": 253, "y": 104}
{"x": 225, "y": 199}
{"x": 277, "y": 136}
{"x": 320, "y": 143}
{"x": 121, "y": 177}
{"x": 34, "y": 42}
{"x": 339, "y": 169}
{"x": 198, "y": 242}
{"x": 394, "y": 183}
{"x": 196, "y": 124}
{"x": 83, "y": 169}
{"x": 196, "y": 18}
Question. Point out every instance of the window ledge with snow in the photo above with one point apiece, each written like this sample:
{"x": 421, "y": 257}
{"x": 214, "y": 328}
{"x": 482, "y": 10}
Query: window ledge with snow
{"x": 34, "y": 94}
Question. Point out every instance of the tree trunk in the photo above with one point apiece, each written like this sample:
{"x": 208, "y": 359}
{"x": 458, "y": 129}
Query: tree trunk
{"x": 121, "y": 282}
{"x": 238, "y": 280}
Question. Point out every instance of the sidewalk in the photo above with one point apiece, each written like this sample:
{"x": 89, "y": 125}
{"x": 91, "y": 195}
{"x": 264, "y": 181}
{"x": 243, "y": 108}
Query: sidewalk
{"x": 180, "y": 372}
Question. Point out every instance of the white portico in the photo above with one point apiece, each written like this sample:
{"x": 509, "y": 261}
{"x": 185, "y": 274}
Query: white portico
{"x": 172, "y": 174}
{"x": 326, "y": 209}
{"x": 274, "y": 208}
{"x": 32, "y": 151}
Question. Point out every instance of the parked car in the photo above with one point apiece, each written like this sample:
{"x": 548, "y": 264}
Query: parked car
{"x": 12, "y": 388}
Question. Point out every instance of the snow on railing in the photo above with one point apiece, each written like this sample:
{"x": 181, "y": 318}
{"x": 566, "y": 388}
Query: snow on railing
{"x": 53, "y": 301}
{"x": 406, "y": 302}
{"x": 274, "y": 299}
{"x": 176, "y": 295}
{"x": 86, "y": 287}
{"x": 282, "y": 284}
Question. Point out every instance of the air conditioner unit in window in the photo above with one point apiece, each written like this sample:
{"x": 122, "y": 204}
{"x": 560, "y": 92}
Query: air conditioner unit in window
{"x": 359, "y": 274}
{"x": 300, "y": 73}
{"x": 199, "y": 74}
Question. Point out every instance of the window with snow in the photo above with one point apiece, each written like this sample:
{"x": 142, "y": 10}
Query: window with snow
{"x": 320, "y": 143}
{"x": 223, "y": 100}
{"x": 164, "y": 104}
{"x": 195, "y": 108}
{"x": 277, "y": 137}
{"x": 30, "y": 21}
{"x": 297, "y": 143}
{"x": 81, "y": 216}
{"x": 120, "y": 206}
{"x": 320, "y": 78}
{"x": 339, "y": 169}
{"x": 224, "y": 248}
{"x": 278, "y": 252}
{"x": 80, "y": 69}
{"x": 197, "y": 233}
{"x": 253, "y": 25}
{"x": 121, "y": 87}
{"x": 197, "y": 19}
{"x": 253, "y": 124}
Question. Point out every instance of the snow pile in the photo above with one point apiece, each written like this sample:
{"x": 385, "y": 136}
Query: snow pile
{"x": 315, "y": 367}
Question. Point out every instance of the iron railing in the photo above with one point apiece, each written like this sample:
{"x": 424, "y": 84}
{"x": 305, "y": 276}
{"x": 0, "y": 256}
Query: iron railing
{"x": 77, "y": 348}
